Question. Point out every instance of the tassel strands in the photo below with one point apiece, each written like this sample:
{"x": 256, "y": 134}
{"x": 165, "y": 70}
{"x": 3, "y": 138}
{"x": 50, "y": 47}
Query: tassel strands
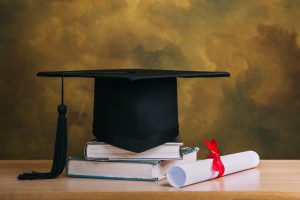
{"x": 60, "y": 150}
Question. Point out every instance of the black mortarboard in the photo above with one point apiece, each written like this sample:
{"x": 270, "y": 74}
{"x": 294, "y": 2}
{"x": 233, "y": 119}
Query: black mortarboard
{"x": 134, "y": 109}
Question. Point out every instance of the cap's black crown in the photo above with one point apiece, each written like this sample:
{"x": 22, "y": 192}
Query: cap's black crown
{"x": 135, "y": 115}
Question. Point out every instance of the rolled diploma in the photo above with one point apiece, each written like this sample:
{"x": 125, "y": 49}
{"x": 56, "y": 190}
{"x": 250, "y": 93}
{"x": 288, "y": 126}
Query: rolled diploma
{"x": 190, "y": 173}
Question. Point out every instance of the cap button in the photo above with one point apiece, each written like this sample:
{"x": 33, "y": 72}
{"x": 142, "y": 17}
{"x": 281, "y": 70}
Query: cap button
{"x": 62, "y": 109}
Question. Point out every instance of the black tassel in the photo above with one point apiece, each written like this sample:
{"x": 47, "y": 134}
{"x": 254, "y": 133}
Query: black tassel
{"x": 60, "y": 150}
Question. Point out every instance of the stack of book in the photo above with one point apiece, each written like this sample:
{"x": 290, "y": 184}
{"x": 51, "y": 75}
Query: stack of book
{"x": 105, "y": 161}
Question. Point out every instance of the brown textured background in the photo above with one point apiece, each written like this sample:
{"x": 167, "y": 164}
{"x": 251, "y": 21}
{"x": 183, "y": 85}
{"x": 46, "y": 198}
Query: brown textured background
{"x": 257, "y": 108}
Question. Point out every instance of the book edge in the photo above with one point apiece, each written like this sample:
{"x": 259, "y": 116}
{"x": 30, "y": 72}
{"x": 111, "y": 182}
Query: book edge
{"x": 112, "y": 178}
{"x": 182, "y": 151}
{"x": 150, "y": 162}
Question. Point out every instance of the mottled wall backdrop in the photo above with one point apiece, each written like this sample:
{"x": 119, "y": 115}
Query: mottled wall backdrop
{"x": 257, "y": 108}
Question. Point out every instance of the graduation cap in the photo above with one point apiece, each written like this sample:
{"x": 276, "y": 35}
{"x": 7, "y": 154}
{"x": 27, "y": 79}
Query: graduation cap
{"x": 134, "y": 109}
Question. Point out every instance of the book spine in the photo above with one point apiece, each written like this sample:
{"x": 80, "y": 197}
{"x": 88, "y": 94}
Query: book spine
{"x": 112, "y": 178}
{"x": 85, "y": 151}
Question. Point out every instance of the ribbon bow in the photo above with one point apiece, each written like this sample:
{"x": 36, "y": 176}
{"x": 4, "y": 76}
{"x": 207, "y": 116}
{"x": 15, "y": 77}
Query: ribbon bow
{"x": 217, "y": 164}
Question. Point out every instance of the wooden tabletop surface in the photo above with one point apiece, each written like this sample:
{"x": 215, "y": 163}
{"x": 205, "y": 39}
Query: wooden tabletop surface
{"x": 273, "y": 179}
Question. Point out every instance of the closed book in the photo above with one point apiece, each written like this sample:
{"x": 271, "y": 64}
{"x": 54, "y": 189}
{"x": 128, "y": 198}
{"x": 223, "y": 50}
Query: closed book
{"x": 101, "y": 151}
{"x": 144, "y": 170}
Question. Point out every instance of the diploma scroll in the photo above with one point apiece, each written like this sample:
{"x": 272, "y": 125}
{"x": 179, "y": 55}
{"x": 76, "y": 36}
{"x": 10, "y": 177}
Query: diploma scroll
{"x": 190, "y": 173}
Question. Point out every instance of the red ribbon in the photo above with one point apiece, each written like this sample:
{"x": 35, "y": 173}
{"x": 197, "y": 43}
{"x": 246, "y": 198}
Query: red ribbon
{"x": 217, "y": 164}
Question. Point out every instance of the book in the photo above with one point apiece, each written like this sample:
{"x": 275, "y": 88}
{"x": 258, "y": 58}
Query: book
{"x": 101, "y": 151}
{"x": 144, "y": 170}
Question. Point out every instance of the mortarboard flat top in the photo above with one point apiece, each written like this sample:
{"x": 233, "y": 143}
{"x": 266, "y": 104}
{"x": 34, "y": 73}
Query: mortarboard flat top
{"x": 133, "y": 74}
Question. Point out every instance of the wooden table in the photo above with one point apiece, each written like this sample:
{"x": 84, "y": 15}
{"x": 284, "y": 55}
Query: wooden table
{"x": 278, "y": 179}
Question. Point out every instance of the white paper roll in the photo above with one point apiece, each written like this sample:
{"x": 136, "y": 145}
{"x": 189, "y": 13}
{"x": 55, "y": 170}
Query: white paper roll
{"x": 190, "y": 173}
